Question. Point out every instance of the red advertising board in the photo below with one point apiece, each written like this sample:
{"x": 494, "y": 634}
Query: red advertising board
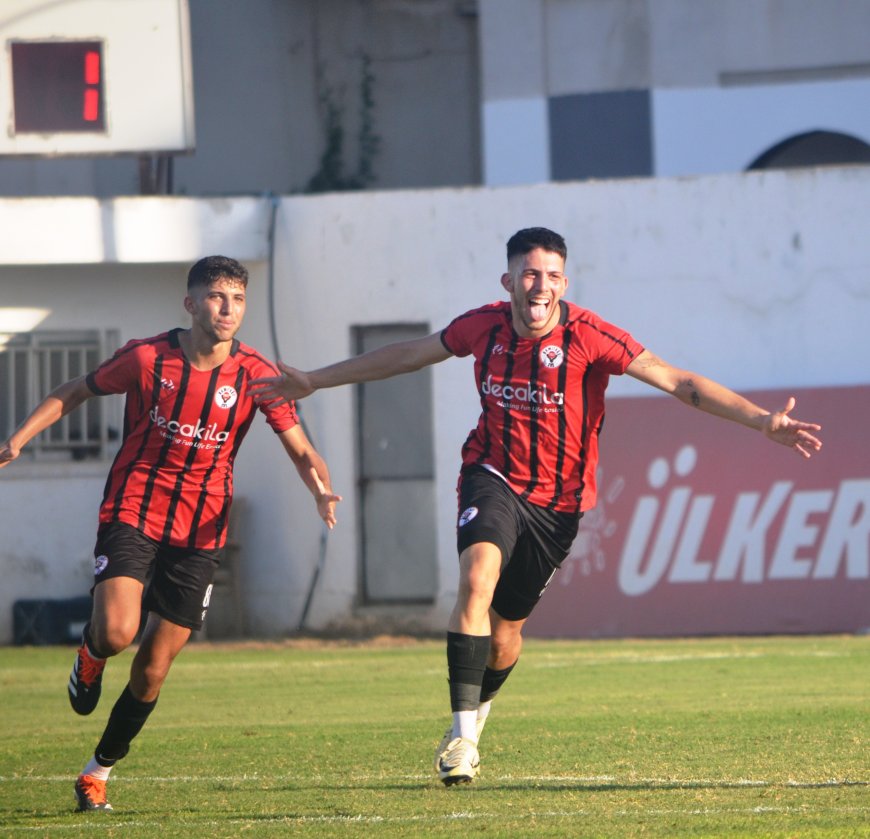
{"x": 705, "y": 527}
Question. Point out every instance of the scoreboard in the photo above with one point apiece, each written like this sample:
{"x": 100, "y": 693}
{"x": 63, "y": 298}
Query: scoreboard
{"x": 95, "y": 77}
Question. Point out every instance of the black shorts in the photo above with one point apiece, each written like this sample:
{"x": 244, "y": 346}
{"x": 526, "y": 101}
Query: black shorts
{"x": 178, "y": 581}
{"x": 533, "y": 540}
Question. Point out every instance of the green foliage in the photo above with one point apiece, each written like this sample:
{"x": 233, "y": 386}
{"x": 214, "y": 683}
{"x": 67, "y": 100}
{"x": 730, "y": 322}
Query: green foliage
{"x": 331, "y": 175}
{"x": 740, "y": 737}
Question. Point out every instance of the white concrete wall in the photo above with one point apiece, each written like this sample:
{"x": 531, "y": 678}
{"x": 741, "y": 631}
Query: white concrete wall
{"x": 759, "y": 280}
{"x": 687, "y": 123}
{"x": 744, "y": 278}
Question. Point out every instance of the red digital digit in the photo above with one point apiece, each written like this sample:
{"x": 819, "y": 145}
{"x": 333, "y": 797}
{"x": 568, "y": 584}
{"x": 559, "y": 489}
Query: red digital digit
{"x": 92, "y": 67}
{"x": 91, "y": 107}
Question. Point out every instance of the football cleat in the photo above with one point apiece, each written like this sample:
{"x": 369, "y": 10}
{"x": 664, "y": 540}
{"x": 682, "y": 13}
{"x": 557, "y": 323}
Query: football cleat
{"x": 85, "y": 681}
{"x": 448, "y": 736}
{"x": 91, "y": 794}
{"x": 459, "y": 763}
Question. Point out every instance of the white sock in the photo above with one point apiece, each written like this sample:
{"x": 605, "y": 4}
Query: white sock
{"x": 483, "y": 711}
{"x": 95, "y": 770}
{"x": 465, "y": 725}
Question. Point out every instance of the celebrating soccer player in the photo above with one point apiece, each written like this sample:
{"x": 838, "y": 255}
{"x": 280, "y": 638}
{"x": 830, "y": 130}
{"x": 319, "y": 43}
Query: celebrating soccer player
{"x": 163, "y": 520}
{"x": 541, "y": 367}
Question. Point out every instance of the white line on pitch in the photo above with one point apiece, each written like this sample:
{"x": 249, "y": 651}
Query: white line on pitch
{"x": 114, "y": 823}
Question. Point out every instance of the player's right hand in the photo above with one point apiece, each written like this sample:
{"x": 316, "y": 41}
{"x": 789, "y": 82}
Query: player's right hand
{"x": 8, "y": 453}
{"x": 291, "y": 384}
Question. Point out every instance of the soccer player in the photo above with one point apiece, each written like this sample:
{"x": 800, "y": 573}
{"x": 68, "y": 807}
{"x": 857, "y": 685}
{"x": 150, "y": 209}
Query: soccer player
{"x": 541, "y": 366}
{"x": 163, "y": 519}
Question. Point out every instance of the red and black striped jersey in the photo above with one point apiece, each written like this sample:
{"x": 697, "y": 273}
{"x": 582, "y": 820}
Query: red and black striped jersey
{"x": 173, "y": 475}
{"x": 542, "y": 399}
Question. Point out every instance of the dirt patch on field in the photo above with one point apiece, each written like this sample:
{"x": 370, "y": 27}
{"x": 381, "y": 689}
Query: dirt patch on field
{"x": 312, "y": 642}
{"x": 358, "y": 632}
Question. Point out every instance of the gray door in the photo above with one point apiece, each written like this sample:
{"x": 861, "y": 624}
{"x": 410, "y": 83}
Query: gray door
{"x": 396, "y": 477}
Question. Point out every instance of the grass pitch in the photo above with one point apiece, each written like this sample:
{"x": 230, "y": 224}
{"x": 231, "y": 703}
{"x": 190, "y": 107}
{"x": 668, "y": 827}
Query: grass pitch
{"x": 737, "y": 737}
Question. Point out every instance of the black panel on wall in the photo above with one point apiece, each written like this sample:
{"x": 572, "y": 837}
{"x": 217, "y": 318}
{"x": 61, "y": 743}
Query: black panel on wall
{"x": 600, "y": 135}
{"x": 814, "y": 148}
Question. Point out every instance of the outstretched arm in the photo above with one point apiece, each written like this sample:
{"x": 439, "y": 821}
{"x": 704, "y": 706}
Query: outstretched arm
{"x": 707, "y": 395}
{"x": 63, "y": 399}
{"x": 312, "y": 469}
{"x": 382, "y": 363}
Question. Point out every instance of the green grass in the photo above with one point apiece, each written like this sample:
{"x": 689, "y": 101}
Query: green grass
{"x": 748, "y": 737}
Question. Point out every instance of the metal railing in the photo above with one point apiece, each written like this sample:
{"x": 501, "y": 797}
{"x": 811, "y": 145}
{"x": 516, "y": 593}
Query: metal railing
{"x": 32, "y": 364}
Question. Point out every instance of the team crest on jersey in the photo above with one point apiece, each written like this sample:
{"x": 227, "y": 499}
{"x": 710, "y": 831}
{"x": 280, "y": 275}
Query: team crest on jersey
{"x": 100, "y": 564}
{"x": 467, "y": 515}
{"x": 226, "y": 397}
{"x": 552, "y": 356}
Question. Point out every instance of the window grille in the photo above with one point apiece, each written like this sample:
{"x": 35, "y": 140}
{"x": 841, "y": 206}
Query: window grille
{"x": 32, "y": 364}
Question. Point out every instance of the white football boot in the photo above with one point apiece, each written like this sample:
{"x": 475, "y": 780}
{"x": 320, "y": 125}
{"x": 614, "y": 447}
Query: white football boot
{"x": 459, "y": 762}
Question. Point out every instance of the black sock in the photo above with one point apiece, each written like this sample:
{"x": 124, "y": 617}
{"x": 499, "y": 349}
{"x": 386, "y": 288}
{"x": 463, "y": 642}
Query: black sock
{"x": 125, "y": 722}
{"x": 466, "y": 663}
{"x": 86, "y": 637}
{"x": 493, "y": 680}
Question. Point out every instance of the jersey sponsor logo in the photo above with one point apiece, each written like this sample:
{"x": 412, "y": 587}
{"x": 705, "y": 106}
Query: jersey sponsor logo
{"x": 524, "y": 392}
{"x": 467, "y": 515}
{"x": 192, "y": 432}
{"x": 552, "y": 356}
{"x": 100, "y": 564}
{"x": 226, "y": 397}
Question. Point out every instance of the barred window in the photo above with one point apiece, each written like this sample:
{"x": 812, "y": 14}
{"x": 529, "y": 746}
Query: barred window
{"x": 32, "y": 364}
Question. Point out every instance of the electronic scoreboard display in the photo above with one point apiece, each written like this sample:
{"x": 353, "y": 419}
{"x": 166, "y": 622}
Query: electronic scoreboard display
{"x": 86, "y": 77}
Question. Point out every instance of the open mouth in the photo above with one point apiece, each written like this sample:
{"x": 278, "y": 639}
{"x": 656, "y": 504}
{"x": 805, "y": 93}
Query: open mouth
{"x": 539, "y": 308}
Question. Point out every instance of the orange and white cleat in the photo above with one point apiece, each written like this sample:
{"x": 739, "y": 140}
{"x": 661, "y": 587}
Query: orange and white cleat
{"x": 85, "y": 680}
{"x": 91, "y": 794}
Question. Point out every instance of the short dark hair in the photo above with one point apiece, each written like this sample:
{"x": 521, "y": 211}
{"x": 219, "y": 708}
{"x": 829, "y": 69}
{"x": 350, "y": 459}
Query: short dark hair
{"x": 210, "y": 269}
{"x": 530, "y": 238}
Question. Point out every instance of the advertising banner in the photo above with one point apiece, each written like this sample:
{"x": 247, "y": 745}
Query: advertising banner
{"x": 705, "y": 527}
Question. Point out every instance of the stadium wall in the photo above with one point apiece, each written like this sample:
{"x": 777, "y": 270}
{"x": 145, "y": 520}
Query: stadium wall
{"x": 759, "y": 280}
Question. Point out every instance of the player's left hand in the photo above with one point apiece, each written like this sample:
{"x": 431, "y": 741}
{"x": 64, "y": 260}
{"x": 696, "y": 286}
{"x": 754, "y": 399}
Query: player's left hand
{"x": 782, "y": 429}
{"x": 325, "y": 500}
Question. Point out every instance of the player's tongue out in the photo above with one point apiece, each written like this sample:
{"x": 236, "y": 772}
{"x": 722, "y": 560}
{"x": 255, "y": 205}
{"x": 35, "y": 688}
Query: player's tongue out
{"x": 538, "y": 309}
